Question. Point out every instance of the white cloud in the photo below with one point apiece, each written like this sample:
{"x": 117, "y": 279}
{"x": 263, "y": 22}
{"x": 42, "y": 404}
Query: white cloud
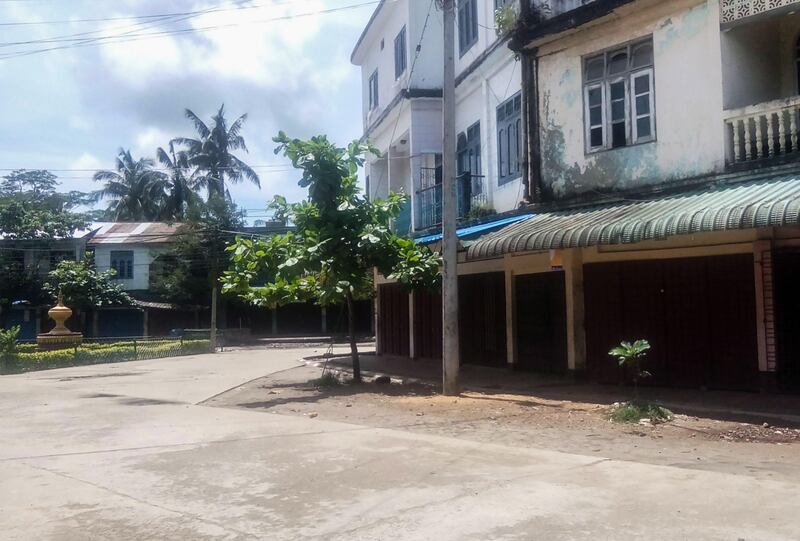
{"x": 79, "y": 176}
{"x": 148, "y": 141}
{"x": 291, "y": 74}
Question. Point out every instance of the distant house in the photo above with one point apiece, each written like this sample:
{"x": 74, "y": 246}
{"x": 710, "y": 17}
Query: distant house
{"x": 130, "y": 248}
{"x": 42, "y": 255}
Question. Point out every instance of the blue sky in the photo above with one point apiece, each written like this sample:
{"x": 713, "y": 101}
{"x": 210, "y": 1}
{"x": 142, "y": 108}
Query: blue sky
{"x": 71, "y": 109}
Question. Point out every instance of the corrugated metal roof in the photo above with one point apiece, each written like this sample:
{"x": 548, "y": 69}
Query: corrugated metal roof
{"x": 771, "y": 203}
{"x": 475, "y": 229}
{"x": 136, "y": 232}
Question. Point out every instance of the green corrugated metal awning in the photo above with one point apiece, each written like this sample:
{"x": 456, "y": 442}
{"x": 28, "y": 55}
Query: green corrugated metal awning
{"x": 746, "y": 205}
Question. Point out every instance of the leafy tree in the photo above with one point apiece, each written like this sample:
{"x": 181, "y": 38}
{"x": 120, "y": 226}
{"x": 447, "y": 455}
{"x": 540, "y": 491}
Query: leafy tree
{"x": 181, "y": 195}
{"x": 37, "y": 182}
{"x": 83, "y": 287}
{"x": 18, "y": 284}
{"x": 30, "y": 210}
{"x": 31, "y": 219}
{"x": 340, "y": 237}
{"x": 137, "y": 192}
{"x": 630, "y": 355}
{"x": 186, "y": 274}
{"x": 211, "y": 154}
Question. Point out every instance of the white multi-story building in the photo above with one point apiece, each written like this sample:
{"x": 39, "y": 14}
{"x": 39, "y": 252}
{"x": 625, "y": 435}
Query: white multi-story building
{"x": 660, "y": 145}
{"x": 400, "y": 53}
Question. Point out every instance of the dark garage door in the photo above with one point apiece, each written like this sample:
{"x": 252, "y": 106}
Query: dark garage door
{"x": 787, "y": 318}
{"x": 428, "y": 325}
{"x": 697, "y": 313}
{"x": 393, "y": 332}
{"x": 541, "y": 322}
{"x": 482, "y": 319}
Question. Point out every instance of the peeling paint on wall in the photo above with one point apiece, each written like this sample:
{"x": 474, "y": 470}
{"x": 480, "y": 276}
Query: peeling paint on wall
{"x": 688, "y": 106}
{"x": 692, "y": 23}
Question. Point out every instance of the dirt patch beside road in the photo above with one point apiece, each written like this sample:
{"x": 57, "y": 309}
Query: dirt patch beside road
{"x": 528, "y": 420}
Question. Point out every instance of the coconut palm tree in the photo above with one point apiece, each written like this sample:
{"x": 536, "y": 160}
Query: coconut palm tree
{"x": 181, "y": 190}
{"x": 136, "y": 191}
{"x": 210, "y": 155}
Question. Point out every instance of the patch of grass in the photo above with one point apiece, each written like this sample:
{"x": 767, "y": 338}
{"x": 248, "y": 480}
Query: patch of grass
{"x": 327, "y": 380}
{"x": 633, "y": 412}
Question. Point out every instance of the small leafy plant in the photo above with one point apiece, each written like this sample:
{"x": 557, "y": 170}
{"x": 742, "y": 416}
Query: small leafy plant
{"x": 327, "y": 380}
{"x": 633, "y": 412}
{"x": 480, "y": 211}
{"x": 8, "y": 345}
{"x": 630, "y": 355}
{"x": 505, "y": 18}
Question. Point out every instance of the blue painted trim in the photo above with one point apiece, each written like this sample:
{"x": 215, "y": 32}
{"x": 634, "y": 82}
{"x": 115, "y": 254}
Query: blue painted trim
{"x": 474, "y": 229}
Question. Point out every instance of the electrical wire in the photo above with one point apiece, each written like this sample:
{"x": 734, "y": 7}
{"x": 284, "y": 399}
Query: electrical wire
{"x": 150, "y": 16}
{"x": 128, "y": 37}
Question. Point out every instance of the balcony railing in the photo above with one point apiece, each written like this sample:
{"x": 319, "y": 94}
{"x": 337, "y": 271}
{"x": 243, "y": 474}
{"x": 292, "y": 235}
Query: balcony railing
{"x": 763, "y": 131}
{"x": 733, "y": 10}
{"x": 471, "y": 194}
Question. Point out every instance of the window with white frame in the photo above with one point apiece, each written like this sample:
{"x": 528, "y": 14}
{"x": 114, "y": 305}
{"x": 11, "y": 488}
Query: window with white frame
{"x": 467, "y": 24}
{"x": 373, "y": 90}
{"x": 400, "y": 53}
{"x": 509, "y": 133}
{"x": 619, "y": 96}
{"x": 122, "y": 262}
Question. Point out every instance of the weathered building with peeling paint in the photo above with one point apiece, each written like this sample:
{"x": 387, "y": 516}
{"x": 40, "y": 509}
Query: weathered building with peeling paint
{"x": 659, "y": 156}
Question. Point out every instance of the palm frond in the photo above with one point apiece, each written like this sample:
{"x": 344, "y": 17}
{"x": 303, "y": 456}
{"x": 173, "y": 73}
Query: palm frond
{"x": 199, "y": 125}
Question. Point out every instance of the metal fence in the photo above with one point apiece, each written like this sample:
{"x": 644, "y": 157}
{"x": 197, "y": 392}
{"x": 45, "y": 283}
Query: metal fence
{"x": 28, "y": 357}
{"x": 471, "y": 193}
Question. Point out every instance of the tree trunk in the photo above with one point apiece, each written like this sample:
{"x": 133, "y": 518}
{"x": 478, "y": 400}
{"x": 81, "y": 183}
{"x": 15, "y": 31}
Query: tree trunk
{"x": 351, "y": 330}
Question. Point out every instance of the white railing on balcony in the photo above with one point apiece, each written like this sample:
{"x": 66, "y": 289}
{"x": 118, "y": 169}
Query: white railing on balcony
{"x": 763, "y": 131}
{"x": 733, "y": 10}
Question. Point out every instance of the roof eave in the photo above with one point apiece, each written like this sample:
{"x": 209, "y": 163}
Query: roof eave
{"x": 354, "y": 56}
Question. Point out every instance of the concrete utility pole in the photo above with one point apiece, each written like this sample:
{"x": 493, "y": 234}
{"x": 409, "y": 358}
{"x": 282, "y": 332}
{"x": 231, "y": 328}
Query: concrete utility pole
{"x": 450, "y": 357}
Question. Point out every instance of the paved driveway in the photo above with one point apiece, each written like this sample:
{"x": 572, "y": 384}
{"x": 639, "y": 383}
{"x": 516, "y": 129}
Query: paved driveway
{"x": 123, "y": 452}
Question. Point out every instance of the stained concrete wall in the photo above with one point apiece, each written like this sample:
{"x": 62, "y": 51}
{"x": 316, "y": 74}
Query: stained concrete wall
{"x": 750, "y": 61}
{"x": 759, "y": 61}
{"x": 492, "y": 82}
{"x": 688, "y": 97}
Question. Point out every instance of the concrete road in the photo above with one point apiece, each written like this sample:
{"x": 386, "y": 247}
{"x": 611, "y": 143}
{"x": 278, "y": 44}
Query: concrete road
{"x": 123, "y": 452}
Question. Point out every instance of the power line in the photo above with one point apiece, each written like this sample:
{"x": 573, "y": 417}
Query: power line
{"x": 103, "y": 40}
{"x": 150, "y": 16}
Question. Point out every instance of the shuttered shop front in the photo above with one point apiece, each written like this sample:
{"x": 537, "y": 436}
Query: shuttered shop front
{"x": 697, "y": 313}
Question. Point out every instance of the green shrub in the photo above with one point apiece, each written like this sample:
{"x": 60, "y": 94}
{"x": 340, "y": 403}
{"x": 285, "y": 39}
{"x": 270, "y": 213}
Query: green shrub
{"x": 26, "y": 348}
{"x": 480, "y": 211}
{"x": 104, "y": 352}
{"x": 8, "y": 343}
{"x": 633, "y": 412}
{"x": 328, "y": 379}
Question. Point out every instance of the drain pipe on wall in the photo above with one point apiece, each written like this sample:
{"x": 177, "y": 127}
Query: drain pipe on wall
{"x": 532, "y": 192}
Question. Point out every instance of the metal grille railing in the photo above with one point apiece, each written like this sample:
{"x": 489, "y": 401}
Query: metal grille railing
{"x": 471, "y": 194}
